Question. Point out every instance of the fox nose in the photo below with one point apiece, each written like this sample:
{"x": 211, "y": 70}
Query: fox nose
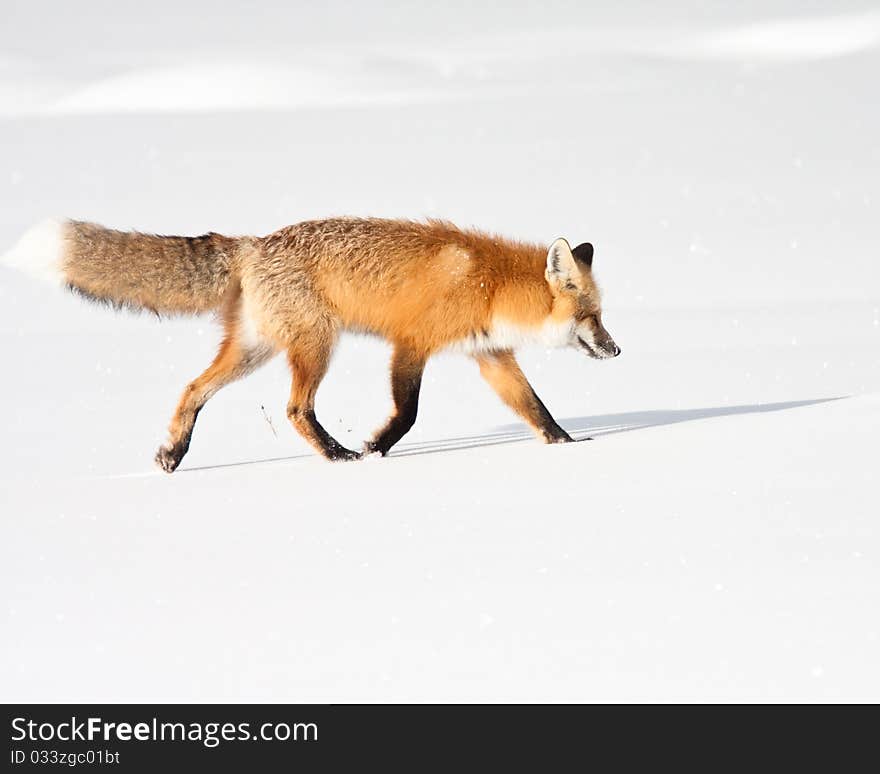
{"x": 616, "y": 351}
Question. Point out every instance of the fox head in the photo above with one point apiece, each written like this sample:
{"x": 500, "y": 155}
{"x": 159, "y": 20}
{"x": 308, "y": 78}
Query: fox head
{"x": 576, "y": 298}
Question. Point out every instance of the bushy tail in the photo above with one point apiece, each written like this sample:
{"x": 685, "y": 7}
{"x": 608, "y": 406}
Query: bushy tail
{"x": 165, "y": 274}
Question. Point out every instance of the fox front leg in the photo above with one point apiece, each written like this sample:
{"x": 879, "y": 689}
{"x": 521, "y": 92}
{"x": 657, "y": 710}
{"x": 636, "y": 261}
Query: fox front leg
{"x": 504, "y": 375}
{"x": 406, "y": 380}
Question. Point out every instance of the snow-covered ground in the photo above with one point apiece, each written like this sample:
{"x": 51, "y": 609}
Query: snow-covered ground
{"x": 719, "y": 537}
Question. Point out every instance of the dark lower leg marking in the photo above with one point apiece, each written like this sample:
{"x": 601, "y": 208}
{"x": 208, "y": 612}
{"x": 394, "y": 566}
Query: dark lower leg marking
{"x": 406, "y": 381}
{"x": 308, "y": 366}
{"x": 170, "y": 454}
{"x": 308, "y": 426}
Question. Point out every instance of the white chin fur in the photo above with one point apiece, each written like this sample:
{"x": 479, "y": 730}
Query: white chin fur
{"x": 40, "y": 252}
{"x": 505, "y": 334}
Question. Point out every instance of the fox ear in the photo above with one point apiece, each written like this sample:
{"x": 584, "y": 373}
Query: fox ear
{"x": 561, "y": 265}
{"x": 583, "y": 254}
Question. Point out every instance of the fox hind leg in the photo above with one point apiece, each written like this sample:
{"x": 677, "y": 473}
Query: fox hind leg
{"x": 504, "y": 375}
{"x": 241, "y": 352}
{"x": 406, "y": 380}
{"x": 309, "y": 358}
{"x": 234, "y": 361}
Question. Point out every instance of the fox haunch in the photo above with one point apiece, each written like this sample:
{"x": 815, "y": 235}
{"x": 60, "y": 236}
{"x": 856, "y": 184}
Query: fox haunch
{"x": 424, "y": 287}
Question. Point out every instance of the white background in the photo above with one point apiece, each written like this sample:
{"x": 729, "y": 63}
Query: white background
{"x": 719, "y": 538}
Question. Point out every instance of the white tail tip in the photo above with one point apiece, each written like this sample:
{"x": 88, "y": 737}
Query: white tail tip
{"x": 40, "y": 252}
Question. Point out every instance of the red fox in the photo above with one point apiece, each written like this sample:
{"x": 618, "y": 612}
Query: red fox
{"x": 424, "y": 286}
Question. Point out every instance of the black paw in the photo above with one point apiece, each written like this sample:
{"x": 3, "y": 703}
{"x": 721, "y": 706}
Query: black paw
{"x": 562, "y": 437}
{"x": 168, "y": 458}
{"x": 341, "y": 454}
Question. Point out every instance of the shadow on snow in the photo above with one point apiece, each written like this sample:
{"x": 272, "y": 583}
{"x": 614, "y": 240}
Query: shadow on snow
{"x": 580, "y": 428}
